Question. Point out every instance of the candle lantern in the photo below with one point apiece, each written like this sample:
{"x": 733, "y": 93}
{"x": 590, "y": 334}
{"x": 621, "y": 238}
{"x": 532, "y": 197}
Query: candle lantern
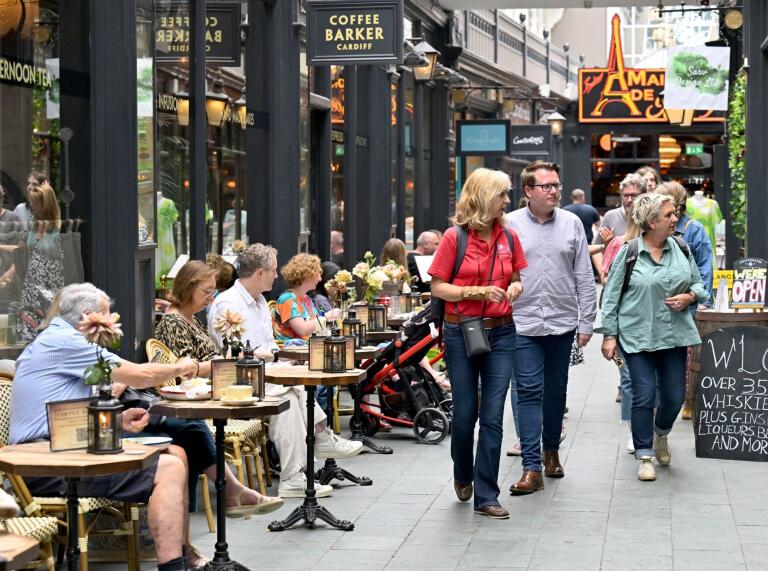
{"x": 334, "y": 353}
{"x": 105, "y": 423}
{"x": 415, "y": 300}
{"x": 377, "y": 317}
{"x": 351, "y": 326}
{"x": 249, "y": 370}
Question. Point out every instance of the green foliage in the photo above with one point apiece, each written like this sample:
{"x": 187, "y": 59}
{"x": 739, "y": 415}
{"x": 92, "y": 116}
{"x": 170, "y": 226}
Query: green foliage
{"x": 737, "y": 157}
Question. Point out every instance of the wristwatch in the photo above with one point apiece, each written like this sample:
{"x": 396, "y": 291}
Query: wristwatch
{"x": 275, "y": 354}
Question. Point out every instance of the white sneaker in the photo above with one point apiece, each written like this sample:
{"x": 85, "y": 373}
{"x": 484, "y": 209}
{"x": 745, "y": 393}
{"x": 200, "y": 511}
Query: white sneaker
{"x": 645, "y": 470}
{"x": 515, "y": 450}
{"x": 296, "y": 486}
{"x": 661, "y": 447}
{"x": 630, "y": 445}
{"x": 563, "y": 431}
{"x": 328, "y": 445}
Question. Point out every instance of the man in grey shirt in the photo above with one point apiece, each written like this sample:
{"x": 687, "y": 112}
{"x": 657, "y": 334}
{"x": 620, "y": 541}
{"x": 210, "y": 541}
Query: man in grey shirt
{"x": 558, "y": 304}
{"x": 615, "y": 220}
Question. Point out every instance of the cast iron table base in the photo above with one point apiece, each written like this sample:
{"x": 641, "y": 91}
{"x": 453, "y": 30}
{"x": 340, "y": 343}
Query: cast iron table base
{"x": 357, "y": 426}
{"x": 332, "y": 471}
{"x": 310, "y": 511}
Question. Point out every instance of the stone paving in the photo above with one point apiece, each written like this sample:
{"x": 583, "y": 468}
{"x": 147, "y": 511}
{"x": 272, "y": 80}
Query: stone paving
{"x": 700, "y": 514}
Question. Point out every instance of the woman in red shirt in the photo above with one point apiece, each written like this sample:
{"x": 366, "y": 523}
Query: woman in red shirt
{"x": 486, "y": 284}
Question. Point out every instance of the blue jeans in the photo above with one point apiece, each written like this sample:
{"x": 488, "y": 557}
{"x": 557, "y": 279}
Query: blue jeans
{"x": 491, "y": 372}
{"x": 541, "y": 372}
{"x": 625, "y": 383}
{"x": 668, "y": 366}
{"x": 513, "y": 401}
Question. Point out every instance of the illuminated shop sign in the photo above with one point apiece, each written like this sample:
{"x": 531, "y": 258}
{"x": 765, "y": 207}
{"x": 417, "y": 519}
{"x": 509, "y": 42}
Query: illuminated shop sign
{"x": 24, "y": 74}
{"x": 482, "y": 137}
{"x": 615, "y": 94}
{"x": 343, "y": 32}
{"x": 222, "y": 32}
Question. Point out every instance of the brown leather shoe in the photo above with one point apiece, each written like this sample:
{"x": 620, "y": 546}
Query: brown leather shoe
{"x": 493, "y": 512}
{"x": 529, "y": 483}
{"x": 552, "y": 467}
{"x": 463, "y": 491}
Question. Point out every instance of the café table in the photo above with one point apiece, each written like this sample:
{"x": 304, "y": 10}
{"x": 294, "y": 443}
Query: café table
{"x": 220, "y": 413}
{"x": 16, "y": 551}
{"x": 310, "y": 510}
{"x": 36, "y": 459}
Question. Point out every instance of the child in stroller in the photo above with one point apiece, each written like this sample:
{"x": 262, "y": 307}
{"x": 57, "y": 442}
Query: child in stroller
{"x": 408, "y": 395}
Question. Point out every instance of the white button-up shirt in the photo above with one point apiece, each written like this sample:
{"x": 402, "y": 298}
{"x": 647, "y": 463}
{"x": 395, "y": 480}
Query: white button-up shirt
{"x": 255, "y": 311}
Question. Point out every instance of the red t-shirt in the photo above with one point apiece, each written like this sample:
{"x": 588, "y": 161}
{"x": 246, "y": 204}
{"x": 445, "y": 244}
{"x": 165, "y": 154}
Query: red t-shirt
{"x": 476, "y": 267}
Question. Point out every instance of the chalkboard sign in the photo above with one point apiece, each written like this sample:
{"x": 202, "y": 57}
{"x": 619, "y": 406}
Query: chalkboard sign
{"x": 731, "y": 399}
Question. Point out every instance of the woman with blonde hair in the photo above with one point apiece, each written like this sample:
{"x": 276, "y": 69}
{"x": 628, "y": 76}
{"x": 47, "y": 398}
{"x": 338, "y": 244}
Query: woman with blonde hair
{"x": 193, "y": 290}
{"x": 476, "y": 272}
{"x": 649, "y": 320}
{"x": 44, "y": 259}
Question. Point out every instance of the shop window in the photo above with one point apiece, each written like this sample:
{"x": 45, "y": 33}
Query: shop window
{"x": 145, "y": 123}
{"x": 337, "y": 163}
{"x": 304, "y": 83}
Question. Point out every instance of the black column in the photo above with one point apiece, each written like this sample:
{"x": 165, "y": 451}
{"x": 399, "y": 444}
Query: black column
{"x": 419, "y": 224}
{"x": 198, "y": 154}
{"x": 320, "y": 153}
{"x": 272, "y": 77}
{"x": 351, "y": 249}
{"x": 375, "y": 186}
{"x": 400, "y": 190}
{"x": 114, "y": 199}
{"x": 755, "y": 18}
{"x": 439, "y": 199}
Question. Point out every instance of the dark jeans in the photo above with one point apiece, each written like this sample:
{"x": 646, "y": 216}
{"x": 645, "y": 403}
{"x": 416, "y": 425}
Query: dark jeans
{"x": 668, "y": 367}
{"x": 196, "y": 440}
{"x": 490, "y": 372}
{"x": 541, "y": 372}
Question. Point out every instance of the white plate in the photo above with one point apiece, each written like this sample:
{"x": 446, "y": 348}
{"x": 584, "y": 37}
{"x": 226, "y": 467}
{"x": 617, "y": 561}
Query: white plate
{"x": 148, "y": 440}
{"x": 181, "y": 395}
{"x": 240, "y": 402}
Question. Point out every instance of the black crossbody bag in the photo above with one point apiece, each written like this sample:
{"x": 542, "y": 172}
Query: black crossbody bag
{"x": 475, "y": 337}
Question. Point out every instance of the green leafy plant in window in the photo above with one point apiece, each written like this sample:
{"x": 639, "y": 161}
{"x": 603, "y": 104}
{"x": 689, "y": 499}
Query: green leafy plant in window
{"x": 737, "y": 157}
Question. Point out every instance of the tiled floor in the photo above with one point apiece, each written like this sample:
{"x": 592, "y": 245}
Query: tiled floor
{"x": 700, "y": 514}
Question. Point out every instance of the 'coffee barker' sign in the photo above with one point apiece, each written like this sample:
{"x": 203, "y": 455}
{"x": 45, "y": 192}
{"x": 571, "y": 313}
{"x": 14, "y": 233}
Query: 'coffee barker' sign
{"x": 731, "y": 398}
{"x": 343, "y": 32}
{"x": 222, "y": 32}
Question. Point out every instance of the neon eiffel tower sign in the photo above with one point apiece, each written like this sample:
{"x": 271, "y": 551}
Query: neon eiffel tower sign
{"x": 616, "y": 89}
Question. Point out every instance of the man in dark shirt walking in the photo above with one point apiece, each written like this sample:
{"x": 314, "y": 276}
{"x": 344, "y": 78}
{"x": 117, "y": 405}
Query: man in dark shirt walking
{"x": 586, "y": 212}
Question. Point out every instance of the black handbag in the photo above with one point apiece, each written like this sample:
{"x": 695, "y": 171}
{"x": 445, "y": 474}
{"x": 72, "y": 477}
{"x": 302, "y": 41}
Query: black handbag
{"x": 475, "y": 337}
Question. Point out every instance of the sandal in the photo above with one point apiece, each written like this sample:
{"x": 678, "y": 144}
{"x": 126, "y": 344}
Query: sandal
{"x": 267, "y": 505}
{"x": 196, "y": 561}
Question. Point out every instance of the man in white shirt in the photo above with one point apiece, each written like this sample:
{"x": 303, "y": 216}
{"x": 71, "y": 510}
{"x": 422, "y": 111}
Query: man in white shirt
{"x": 257, "y": 270}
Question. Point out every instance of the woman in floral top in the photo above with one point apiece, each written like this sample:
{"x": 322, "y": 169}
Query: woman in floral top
{"x": 296, "y": 315}
{"x": 193, "y": 290}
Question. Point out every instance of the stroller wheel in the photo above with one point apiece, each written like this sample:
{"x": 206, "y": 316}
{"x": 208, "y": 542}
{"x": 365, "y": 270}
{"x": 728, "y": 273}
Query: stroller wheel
{"x": 369, "y": 424}
{"x": 447, "y": 407}
{"x": 430, "y": 425}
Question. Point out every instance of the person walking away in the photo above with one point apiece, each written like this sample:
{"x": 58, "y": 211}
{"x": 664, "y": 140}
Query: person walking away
{"x": 476, "y": 272}
{"x": 558, "y": 305}
{"x": 645, "y": 313}
{"x": 587, "y": 213}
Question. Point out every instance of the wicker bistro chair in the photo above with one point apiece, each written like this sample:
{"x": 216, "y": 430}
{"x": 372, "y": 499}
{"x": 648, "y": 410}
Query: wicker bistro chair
{"x": 41, "y": 529}
{"x": 44, "y": 507}
{"x": 245, "y": 441}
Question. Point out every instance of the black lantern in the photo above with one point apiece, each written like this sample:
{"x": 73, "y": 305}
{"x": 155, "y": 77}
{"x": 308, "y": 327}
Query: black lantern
{"x": 377, "y": 317}
{"x": 249, "y": 370}
{"x": 334, "y": 353}
{"x": 351, "y": 326}
{"x": 105, "y": 423}
{"x": 415, "y": 300}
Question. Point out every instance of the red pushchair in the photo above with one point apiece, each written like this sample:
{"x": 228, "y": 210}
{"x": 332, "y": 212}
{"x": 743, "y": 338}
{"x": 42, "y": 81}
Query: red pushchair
{"x": 408, "y": 395}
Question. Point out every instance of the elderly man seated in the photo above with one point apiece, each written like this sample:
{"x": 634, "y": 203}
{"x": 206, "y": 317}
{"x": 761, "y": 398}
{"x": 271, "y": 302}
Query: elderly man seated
{"x": 52, "y": 368}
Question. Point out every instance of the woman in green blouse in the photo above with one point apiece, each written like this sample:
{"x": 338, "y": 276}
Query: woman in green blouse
{"x": 652, "y": 325}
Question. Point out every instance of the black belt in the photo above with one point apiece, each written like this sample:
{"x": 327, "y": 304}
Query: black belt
{"x": 488, "y": 322}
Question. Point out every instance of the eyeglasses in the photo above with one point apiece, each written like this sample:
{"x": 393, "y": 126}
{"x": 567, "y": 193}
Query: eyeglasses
{"x": 549, "y": 186}
{"x": 630, "y": 196}
{"x": 209, "y": 292}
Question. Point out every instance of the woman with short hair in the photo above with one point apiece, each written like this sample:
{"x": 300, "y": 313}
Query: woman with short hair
{"x": 486, "y": 284}
{"x": 651, "y": 324}
{"x": 193, "y": 290}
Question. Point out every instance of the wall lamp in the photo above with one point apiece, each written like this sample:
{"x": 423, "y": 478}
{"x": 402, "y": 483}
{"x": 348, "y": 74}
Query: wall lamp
{"x": 556, "y": 123}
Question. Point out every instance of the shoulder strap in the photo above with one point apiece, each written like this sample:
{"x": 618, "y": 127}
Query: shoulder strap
{"x": 461, "y": 249}
{"x": 683, "y": 245}
{"x": 511, "y": 241}
{"x": 629, "y": 264}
